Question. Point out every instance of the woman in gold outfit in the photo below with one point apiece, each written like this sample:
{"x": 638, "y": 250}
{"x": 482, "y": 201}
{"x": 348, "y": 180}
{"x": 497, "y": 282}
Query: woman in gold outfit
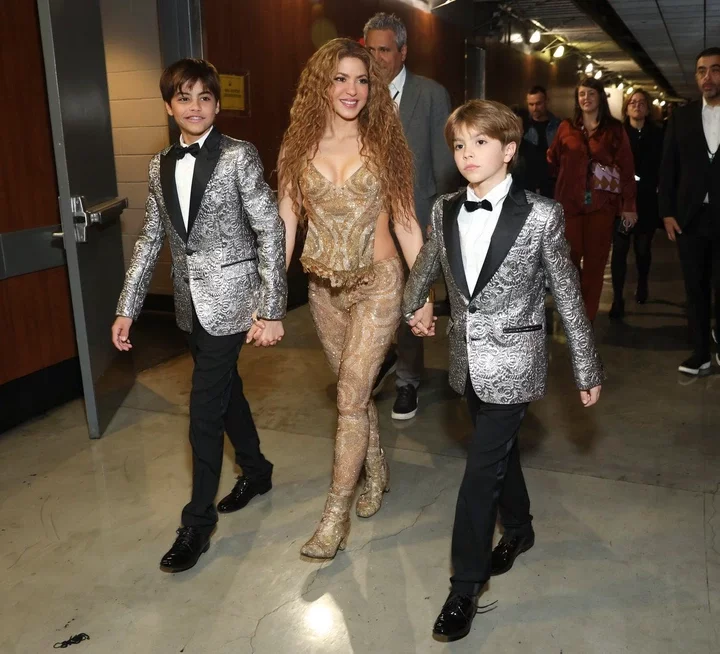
{"x": 346, "y": 169}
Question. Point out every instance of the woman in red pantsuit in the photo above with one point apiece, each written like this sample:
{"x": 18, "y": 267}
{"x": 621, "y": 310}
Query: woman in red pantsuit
{"x": 592, "y": 137}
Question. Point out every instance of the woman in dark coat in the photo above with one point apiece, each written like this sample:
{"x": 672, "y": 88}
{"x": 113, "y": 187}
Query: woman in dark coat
{"x": 646, "y": 141}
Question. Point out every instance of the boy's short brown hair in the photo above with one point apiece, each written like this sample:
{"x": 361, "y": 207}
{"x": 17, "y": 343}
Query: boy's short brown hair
{"x": 177, "y": 75}
{"x": 487, "y": 117}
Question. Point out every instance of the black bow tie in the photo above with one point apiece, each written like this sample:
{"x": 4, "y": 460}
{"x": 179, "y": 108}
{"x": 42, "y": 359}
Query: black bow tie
{"x": 180, "y": 151}
{"x": 471, "y": 205}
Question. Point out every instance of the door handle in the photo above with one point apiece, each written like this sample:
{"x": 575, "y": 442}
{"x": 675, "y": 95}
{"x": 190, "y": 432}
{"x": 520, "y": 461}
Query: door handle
{"x": 106, "y": 212}
{"x": 101, "y": 213}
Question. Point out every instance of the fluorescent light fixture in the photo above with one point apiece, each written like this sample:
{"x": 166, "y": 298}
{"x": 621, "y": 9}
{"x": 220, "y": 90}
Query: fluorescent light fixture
{"x": 535, "y": 38}
{"x": 559, "y": 51}
{"x": 598, "y": 75}
{"x": 589, "y": 68}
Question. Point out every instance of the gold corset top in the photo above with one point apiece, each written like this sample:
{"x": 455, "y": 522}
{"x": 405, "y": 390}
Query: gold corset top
{"x": 340, "y": 240}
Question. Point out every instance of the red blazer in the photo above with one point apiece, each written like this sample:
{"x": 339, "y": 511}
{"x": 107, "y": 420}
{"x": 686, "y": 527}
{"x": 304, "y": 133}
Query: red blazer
{"x": 568, "y": 158}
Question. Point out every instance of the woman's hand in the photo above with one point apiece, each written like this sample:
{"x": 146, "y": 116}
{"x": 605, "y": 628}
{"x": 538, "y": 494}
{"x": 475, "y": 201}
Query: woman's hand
{"x": 630, "y": 218}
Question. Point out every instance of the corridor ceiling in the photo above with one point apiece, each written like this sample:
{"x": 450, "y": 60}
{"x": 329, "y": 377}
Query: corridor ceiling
{"x": 670, "y": 32}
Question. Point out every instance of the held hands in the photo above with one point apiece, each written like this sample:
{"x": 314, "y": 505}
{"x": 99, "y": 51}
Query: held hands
{"x": 265, "y": 332}
{"x": 120, "y": 333}
{"x": 423, "y": 322}
{"x": 588, "y": 398}
{"x": 671, "y": 227}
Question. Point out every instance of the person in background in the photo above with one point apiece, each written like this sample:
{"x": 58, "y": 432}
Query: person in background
{"x": 592, "y": 159}
{"x": 539, "y": 131}
{"x": 646, "y": 141}
{"x": 690, "y": 205}
{"x": 424, "y": 106}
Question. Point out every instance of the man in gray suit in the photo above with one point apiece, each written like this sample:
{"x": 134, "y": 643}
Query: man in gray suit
{"x": 424, "y": 106}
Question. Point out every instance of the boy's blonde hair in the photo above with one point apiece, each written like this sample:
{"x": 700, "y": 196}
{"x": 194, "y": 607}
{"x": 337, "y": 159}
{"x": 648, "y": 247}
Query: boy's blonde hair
{"x": 486, "y": 117}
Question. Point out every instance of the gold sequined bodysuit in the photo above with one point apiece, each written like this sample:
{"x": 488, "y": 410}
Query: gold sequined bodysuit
{"x": 355, "y": 304}
{"x": 340, "y": 240}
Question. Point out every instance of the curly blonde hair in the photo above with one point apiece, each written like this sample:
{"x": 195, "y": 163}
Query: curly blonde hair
{"x": 382, "y": 143}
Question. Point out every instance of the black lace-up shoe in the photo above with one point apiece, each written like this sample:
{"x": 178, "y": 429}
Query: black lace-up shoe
{"x": 245, "y": 489}
{"x": 186, "y": 550}
{"x": 456, "y": 617}
{"x": 507, "y": 550}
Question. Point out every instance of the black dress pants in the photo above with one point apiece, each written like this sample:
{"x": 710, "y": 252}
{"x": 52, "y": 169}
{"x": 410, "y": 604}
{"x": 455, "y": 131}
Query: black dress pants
{"x": 699, "y": 249}
{"x": 217, "y": 404}
{"x": 642, "y": 242}
{"x": 493, "y": 482}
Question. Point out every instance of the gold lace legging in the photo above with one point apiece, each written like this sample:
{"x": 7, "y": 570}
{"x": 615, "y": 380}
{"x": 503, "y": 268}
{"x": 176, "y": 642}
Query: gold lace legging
{"x": 356, "y": 326}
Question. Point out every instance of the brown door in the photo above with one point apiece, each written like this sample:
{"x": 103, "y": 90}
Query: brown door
{"x": 38, "y": 364}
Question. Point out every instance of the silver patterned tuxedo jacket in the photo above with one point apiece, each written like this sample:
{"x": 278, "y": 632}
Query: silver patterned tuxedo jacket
{"x": 230, "y": 261}
{"x": 497, "y": 331}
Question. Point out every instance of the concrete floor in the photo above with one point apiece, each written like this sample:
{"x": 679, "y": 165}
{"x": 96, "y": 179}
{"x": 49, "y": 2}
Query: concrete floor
{"x": 625, "y": 498}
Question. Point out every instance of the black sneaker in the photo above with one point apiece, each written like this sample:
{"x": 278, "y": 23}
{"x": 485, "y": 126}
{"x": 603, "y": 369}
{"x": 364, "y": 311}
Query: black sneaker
{"x": 386, "y": 369}
{"x": 695, "y": 365}
{"x": 406, "y": 403}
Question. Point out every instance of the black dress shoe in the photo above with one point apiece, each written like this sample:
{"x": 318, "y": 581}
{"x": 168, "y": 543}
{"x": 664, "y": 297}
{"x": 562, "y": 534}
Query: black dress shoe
{"x": 386, "y": 369}
{"x": 245, "y": 489}
{"x": 617, "y": 310}
{"x": 456, "y": 617}
{"x": 507, "y": 550}
{"x": 186, "y": 550}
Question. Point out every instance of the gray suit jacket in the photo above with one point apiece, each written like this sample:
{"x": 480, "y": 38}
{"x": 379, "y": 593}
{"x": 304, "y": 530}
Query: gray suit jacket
{"x": 497, "y": 330}
{"x": 424, "y": 109}
{"x": 232, "y": 261}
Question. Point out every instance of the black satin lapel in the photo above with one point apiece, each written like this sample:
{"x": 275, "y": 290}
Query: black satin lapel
{"x": 451, "y": 234}
{"x": 512, "y": 219}
{"x": 170, "y": 196}
{"x": 204, "y": 166}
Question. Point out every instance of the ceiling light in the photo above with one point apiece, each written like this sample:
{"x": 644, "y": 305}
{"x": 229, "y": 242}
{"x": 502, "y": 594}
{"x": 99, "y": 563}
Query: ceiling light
{"x": 589, "y": 68}
{"x": 559, "y": 51}
{"x": 516, "y": 37}
{"x": 588, "y": 56}
{"x": 620, "y": 86}
{"x": 630, "y": 90}
{"x": 663, "y": 103}
{"x": 535, "y": 38}
{"x": 656, "y": 102}
{"x": 598, "y": 75}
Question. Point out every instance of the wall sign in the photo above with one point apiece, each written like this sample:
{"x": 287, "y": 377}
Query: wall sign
{"x": 235, "y": 93}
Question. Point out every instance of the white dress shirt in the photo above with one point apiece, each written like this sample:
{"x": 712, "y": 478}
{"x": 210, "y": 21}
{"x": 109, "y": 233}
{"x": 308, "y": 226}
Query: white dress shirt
{"x": 184, "y": 169}
{"x": 477, "y": 227}
{"x": 711, "y": 127}
{"x": 397, "y": 86}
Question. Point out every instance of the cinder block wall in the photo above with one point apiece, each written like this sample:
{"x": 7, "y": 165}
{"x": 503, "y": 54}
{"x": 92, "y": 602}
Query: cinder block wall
{"x": 139, "y": 119}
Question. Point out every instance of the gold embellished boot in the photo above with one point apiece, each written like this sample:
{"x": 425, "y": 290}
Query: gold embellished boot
{"x": 377, "y": 482}
{"x": 332, "y": 532}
